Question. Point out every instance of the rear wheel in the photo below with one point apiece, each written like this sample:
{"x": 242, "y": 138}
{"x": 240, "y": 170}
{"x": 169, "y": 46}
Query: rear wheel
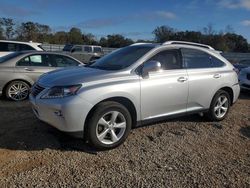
{"x": 220, "y": 106}
{"x": 17, "y": 91}
{"x": 109, "y": 125}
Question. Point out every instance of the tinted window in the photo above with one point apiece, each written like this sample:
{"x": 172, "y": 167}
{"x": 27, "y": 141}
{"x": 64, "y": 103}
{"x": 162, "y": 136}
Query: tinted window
{"x": 97, "y": 50}
{"x": 216, "y": 62}
{"x": 196, "y": 59}
{"x": 24, "y": 47}
{"x": 24, "y": 62}
{"x": 168, "y": 59}
{"x": 7, "y": 47}
{"x": 35, "y": 60}
{"x": 121, "y": 58}
{"x": 63, "y": 61}
{"x": 77, "y": 49}
{"x": 87, "y": 49}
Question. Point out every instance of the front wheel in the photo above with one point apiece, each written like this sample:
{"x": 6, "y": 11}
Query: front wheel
{"x": 17, "y": 91}
{"x": 109, "y": 125}
{"x": 220, "y": 106}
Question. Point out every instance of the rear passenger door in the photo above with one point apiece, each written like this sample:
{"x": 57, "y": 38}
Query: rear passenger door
{"x": 34, "y": 65}
{"x": 204, "y": 77}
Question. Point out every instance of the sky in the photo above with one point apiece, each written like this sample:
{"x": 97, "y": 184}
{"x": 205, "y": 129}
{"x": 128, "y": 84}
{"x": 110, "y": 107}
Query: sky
{"x": 134, "y": 19}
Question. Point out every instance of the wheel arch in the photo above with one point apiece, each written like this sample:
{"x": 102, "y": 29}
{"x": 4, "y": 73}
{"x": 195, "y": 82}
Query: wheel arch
{"x": 122, "y": 100}
{"x": 230, "y": 92}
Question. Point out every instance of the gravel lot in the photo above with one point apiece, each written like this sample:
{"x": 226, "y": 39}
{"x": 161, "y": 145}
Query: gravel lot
{"x": 185, "y": 152}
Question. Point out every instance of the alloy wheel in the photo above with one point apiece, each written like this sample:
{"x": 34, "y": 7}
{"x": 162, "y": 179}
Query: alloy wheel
{"x": 111, "y": 127}
{"x": 18, "y": 91}
{"x": 221, "y": 106}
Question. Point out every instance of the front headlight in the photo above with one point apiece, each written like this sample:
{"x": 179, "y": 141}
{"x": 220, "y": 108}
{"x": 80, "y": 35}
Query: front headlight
{"x": 61, "y": 91}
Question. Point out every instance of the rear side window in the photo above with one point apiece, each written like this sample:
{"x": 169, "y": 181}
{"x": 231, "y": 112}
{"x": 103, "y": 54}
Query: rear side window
{"x": 169, "y": 59}
{"x": 63, "y": 61}
{"x": 87, "y": 49}
{"x": 35, "y": 60}
{"x": 24, "y": 47}
{"x": 97, "y": 50}
{"x": 8, "y": 47}
{"x": 196, "y": 59}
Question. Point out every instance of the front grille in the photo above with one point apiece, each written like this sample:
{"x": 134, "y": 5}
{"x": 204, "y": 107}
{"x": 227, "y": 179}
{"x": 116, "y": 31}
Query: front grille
{"x": 248, "y": 76}
{"x": 36, "y": 89}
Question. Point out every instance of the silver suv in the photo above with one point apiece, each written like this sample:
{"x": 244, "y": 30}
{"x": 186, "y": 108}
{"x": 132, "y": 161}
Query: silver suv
{"x": 134, "y": 85}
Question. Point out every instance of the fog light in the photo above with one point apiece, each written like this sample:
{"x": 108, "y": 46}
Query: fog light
{"x": 58, "y": 113}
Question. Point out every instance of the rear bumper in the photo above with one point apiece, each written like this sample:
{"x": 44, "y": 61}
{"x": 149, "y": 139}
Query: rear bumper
{"x": 236, "y": 91}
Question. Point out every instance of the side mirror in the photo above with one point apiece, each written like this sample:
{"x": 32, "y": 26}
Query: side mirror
{"x": 151, "y": 66}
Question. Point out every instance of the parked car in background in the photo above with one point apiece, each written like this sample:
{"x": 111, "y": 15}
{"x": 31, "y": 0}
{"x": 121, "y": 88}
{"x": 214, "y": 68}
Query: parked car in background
{"x": 19, "y": 70}
{"x": 244, "y": 78}
{"x": 84, "y": 53}
{"x": 137, "y": 84}
{"x": 242, "y": 64}
{"x": 7, "y": 47}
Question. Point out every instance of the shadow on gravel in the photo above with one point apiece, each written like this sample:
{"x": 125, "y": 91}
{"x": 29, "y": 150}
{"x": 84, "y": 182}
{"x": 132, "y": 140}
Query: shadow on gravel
{"x": 20, "y": 130}
{"x": 245, "y": 131}
{"x": 244, "y": 95}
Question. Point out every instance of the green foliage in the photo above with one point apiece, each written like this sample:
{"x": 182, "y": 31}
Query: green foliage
{"x": 225, "y": 41}
{"x": 115, "y": 41}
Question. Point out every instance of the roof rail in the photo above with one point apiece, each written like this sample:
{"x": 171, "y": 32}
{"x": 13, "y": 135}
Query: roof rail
{"x": 139, "y": 43}
{"x": 189, "y": 43}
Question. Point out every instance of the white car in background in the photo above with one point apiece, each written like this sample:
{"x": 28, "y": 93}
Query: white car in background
{"x": 7, "y": 47}
{"x": 244, "y": 78}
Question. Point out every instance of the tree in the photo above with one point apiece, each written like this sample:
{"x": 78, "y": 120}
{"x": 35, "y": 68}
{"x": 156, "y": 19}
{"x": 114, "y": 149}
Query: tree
{"x": 75, "y": 36}
{"x": 27, "y": 31}
{"x": 7, "y": 27}
{"x": 115, "y": 41}
{"x": 89, "y": 39}
{"x": 164, "y": 33}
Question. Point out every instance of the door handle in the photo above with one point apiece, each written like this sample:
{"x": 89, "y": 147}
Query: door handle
{"x": 182, "y": 79}
{"x": 28, "y": 69}
{"x": 217, "y": 76}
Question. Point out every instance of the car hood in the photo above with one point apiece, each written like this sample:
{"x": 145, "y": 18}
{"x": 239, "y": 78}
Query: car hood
{"x": 247, "y": 70}
{"x": 71, "y": 76}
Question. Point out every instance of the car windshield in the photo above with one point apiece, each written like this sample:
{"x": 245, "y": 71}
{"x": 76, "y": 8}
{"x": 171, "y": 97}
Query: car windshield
{"x": 67, "y": 47}
{"x": 9, "y": 56}
{"x": 121, "y": 58}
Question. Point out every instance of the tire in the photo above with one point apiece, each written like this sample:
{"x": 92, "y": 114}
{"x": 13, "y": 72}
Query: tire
{"x": 220, "y": 106}
{"x": 103, "y": 132}
{"x": 17, "y": 90}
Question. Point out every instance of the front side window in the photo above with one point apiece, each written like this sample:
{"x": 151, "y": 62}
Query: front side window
{"x": 63, "y": 61}
{"x": 77, "y": 49}
{"x": 169, "y": 59}
{"x": 121, "y": 58}
{"x": 34, "y": 60}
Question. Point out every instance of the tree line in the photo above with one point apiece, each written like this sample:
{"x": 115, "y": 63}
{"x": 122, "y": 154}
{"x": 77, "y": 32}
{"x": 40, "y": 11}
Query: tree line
{"x": 226, "y": 40}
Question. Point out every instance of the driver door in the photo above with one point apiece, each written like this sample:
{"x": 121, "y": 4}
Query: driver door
{"x": 164, "y": 92}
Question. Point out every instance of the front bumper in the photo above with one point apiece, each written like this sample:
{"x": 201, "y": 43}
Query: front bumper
{"x": 66, "y": 114}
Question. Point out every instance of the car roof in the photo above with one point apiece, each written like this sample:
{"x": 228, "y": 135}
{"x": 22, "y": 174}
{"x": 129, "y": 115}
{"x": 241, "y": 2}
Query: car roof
{"x": 20, "y": 42}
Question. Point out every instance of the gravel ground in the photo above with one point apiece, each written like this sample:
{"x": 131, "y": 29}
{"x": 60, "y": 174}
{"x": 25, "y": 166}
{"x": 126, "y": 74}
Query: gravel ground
{"x": 184, "y": 152}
